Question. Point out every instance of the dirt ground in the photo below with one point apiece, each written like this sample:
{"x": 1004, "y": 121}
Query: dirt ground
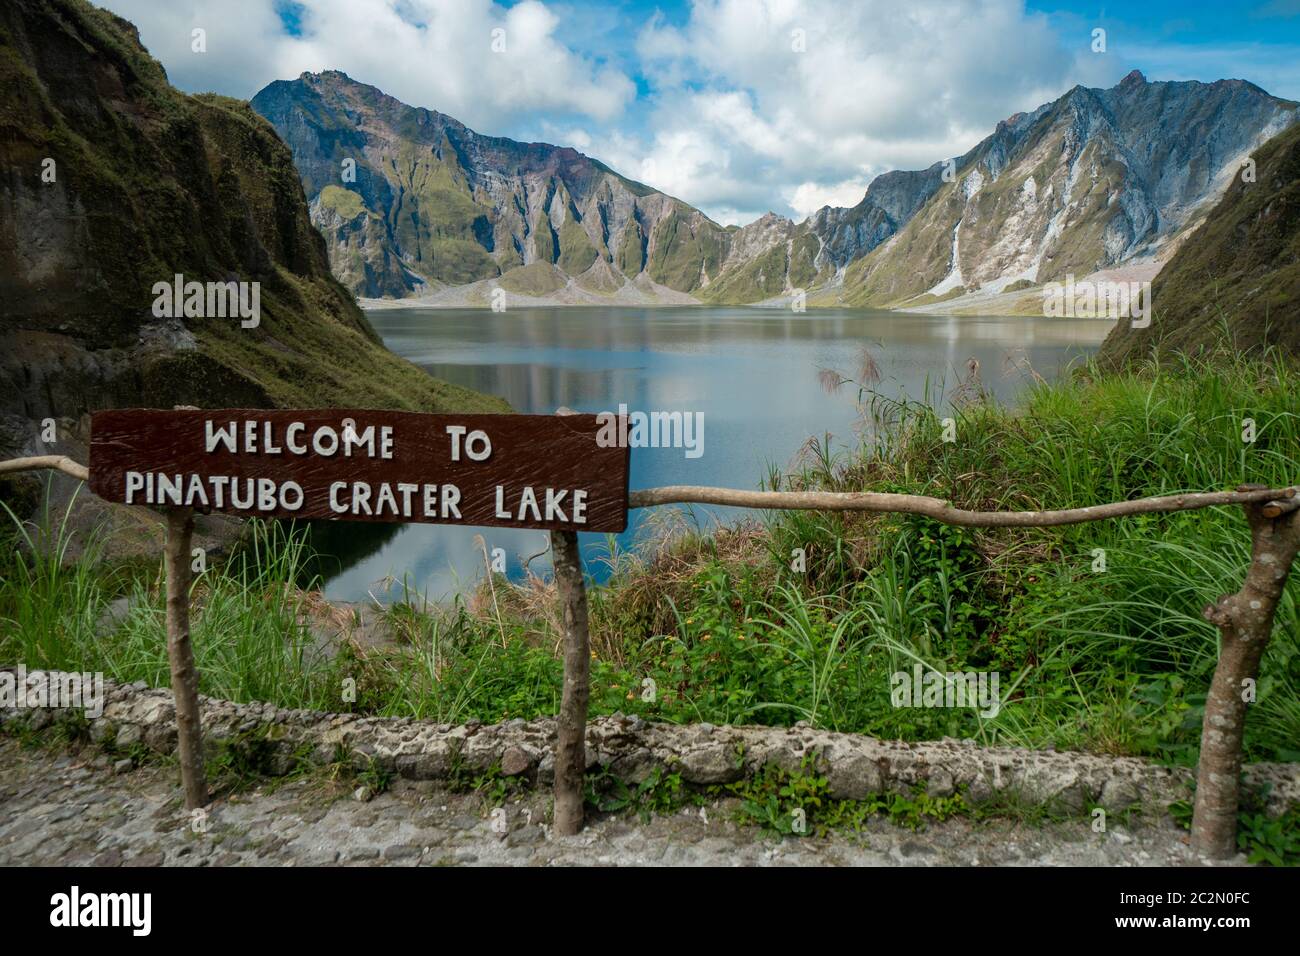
{"x": 59, "y": 807}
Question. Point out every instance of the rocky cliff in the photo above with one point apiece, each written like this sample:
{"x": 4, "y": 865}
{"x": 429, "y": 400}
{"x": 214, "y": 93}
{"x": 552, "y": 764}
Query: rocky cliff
{"x": 411, "y": 201}
{"x": 113, "y": 182}
{"x": 1235, "y": 281}
{"x": 1095, "y": 179}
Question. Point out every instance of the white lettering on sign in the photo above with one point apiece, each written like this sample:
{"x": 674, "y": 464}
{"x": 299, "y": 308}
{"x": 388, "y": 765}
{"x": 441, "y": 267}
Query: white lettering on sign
{"x": 260, "y": 438}
{"x": 395, "y": 501}
{"x": 527, "y": 509}
{"x": 197, "y": 491}
{"x": 275, "y": 473}
{"x": 477, "y": 445}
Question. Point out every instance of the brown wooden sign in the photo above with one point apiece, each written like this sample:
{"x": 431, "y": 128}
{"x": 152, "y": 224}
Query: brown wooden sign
{"x": 512, "y": 471}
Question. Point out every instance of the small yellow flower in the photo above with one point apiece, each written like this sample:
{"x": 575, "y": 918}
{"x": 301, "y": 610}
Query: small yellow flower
{"x": 705, "y": 637}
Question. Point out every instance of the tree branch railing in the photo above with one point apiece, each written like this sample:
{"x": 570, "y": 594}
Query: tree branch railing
{"x": 1244, "y": 620}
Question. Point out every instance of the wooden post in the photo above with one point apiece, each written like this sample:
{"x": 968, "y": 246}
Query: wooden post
{"x": 1245, "y": 622}
{"x": 571, "y": 727}
{"x": 571, "y": 731}
{"x": 180, "y": 654}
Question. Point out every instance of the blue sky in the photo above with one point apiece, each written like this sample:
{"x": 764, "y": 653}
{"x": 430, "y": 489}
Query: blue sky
{"x": 736, "y": 106}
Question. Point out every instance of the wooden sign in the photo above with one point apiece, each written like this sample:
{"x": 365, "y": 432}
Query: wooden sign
{"x": 512, "y": 471}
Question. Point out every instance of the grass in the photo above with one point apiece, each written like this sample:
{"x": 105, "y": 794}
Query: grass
{"x": 1095, "y": 630}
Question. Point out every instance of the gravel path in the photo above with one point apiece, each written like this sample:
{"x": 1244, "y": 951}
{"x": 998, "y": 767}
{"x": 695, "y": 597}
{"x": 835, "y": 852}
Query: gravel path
{"x": 63, "y": 808}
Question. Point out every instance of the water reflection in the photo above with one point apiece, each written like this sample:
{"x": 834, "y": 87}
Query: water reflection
{"x": 754, "y": 375}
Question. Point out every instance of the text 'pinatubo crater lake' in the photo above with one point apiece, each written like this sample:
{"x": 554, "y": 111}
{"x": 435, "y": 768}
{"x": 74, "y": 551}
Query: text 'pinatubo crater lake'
{"x": 753, "y": 378}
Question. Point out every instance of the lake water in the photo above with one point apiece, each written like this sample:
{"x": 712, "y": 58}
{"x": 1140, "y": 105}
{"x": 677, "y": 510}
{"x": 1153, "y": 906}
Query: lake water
{"x": 754, "y": 375}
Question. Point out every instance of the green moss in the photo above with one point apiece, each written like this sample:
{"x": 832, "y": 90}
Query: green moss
{"x": 1235, "y": 281}
{"x": 684, "y": 253}
{"x": 576, "y": 251}
{"x": 544, "y": 241}
{"x": 761, "y": 278}
{"x": 537, "y": 278}
{"x": 345, "y": 202}
{"x": 630, "y": 258}
{"x": 197, "y": 185}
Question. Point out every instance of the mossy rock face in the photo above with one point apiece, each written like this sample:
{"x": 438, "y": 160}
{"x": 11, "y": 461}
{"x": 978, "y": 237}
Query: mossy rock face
{"x": 630, "y": 258}
{"x": 685, "y": 249}
{"x": 1235, "y": 282}
{"x": 426, "y": 179}
{"x": 535, "y": 279}
{"x": 576, "y": 251}
{"x": 149, "y": 183}
{"x": 344, "y": 202}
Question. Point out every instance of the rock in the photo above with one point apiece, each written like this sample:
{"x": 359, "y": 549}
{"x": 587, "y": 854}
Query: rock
{"x": 940, "y": 784}
{"x": 125, "y": 765}
{"x": 514, "y": 762}
{"x": 110, "y": 857}
{"x": 401, "y": 851}
{"x": 1118, "y": 794}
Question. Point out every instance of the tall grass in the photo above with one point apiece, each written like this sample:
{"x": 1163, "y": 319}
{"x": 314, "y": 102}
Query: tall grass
{"x": 720, "y": 627}
{"x": 50, "y": 606}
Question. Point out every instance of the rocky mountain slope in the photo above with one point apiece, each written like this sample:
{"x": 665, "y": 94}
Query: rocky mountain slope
{"x": 1093, "y": 180}
{"x": 411, "y": 201}
{"x": 1236, "y": 280}
{"x": 116, "y": 181}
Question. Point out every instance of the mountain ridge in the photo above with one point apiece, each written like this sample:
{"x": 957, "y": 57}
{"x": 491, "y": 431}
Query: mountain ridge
{"x": 119, "y": 181}
{"x": 434, "y": 204}
{"x": 548, "y": 223}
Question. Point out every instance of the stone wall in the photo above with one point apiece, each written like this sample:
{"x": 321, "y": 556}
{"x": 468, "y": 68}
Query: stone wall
{"x": 631, "y": 748}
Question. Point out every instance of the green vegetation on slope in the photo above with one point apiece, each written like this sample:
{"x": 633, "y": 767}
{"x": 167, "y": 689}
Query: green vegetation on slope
{"x": 679, "y": 255}
{"x": 1236, "y": 280}
{"x": 537, "y": 278}
{"x": 152, "y": 182}
{"x": 576, "y": 251}
{"x": 345, "y": 202}
{"x": 631, "y": 250}
{"x": 1112, "y": 661}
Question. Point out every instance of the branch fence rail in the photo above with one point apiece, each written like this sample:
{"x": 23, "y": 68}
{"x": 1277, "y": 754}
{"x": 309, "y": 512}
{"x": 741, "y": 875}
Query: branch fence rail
{"x": 1244, "y": 620}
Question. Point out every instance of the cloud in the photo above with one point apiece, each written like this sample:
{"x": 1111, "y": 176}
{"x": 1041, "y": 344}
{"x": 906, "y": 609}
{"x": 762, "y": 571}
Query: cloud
{"x": 759, "y": 101}
{"x": 433, "y": 53}
{"x": 738, "y": 107}
{"x": 807, "y": 198}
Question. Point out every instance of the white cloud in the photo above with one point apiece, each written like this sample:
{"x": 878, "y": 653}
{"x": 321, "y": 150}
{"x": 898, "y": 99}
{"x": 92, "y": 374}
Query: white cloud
{"x": 807, "y": 198}
{"x": 751, "y": 104}
{"x": 433, "y": 53}
{"x": 743, "y": 119}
